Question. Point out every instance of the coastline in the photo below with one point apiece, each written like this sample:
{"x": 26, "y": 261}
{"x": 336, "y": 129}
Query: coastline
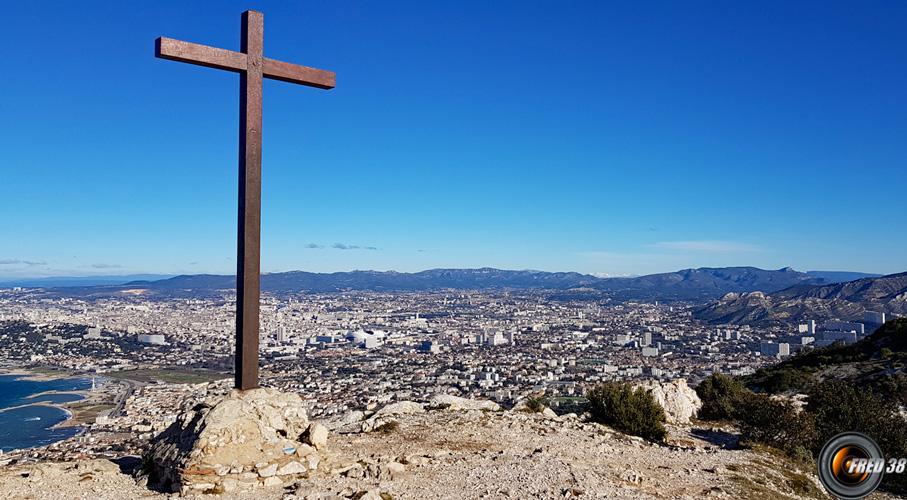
{"x": 26, "y": 374}
{"x": 69, "y": 421}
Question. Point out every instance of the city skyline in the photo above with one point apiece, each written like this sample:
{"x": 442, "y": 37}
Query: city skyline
{"x": 589, "y": 138}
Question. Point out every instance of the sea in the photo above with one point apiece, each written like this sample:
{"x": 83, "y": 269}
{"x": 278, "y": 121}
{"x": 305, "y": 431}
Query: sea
{"x": 31, "y": 426}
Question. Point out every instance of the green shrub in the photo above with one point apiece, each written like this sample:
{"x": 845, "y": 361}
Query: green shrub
{"x": 776, "y": 423}
{"x": 775, "y": 380}
{"x": 840, "y": 406}
{"x": 720, "y": 395}
{"x": 536, "y": 405}
{"x": 633, "y": 411}
{"x": 761, "y": 419}
{"x": 388, "y": 427}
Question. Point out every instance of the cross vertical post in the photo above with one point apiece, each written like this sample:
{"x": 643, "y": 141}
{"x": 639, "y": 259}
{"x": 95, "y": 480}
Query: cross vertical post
{"x": 252, "y": 67}
{"x": 248, "y": 239}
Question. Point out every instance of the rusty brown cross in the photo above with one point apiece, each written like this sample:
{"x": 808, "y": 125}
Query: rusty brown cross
{"x": 252, "y": 66}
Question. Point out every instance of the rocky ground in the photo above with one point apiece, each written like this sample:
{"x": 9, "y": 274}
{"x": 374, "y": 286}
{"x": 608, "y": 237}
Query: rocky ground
{"x": 455, "y": 453}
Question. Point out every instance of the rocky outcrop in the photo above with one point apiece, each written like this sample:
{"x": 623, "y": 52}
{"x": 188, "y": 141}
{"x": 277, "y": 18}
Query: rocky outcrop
{"x": 680, "y": 401}
{"x": 456, "y": 403}
{"x": 846, "y": 301}
{"x": 244, "y": 439}
{"x": 399, "y": 408}
{"x": 346, "y": 422}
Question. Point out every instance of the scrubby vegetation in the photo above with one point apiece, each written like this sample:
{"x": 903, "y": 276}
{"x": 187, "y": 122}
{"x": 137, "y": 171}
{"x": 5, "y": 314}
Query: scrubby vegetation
{"x": 777, "y": 423}
{"x": 536, "y": 405}
{"x": 628, "y": 409}
{"x": 761, "y": 419}
{"x": 388, "y": 427}
{"x": 721, "y": 395}
{"x": 845, "y": 388}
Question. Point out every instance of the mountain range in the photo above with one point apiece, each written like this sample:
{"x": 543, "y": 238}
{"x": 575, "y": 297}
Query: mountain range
{"x": 845, "y": 301}
{"x": 699, "y": 285}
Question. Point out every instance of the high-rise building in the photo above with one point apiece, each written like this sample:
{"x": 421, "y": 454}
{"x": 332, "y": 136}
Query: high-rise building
{"x": 496, "y": 339}
{"x": 153, "y": 339}
{"x": 845, "y": 326}
{"x": 874, "y": 318}
{"x": 281, "y": 334}
{"x": 773, "y": 349}
{"x": 430, "y": 346}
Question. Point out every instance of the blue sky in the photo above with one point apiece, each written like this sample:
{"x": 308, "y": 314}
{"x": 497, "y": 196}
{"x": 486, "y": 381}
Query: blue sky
{"x": 600, "y": 137}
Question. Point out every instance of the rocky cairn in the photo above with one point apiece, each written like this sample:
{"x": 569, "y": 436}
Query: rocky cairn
{"x": 240, "y": 440}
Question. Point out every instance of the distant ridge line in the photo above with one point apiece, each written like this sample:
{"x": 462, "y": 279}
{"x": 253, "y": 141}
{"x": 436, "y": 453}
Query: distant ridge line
{"x": 687, "y": 284}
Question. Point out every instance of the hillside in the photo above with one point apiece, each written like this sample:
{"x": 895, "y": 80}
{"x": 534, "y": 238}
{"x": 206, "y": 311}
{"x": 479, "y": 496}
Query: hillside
{"x": 878, "y": 362}
{"x": 846, "y": 301}
{"x": 687, "y": 285}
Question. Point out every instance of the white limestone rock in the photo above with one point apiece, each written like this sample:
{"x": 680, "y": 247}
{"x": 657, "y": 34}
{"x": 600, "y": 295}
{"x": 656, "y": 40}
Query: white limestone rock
{"x": 399, "y": 408}
{"x": 680, "y": 401}
{"x": 291, "y": 468}
{"x": 456, "y": 403}
{"x": 316, "y": 435}
{"x": 272, "y": 481}
{"x": 268, "y": 470}
{"x": 345, "y": 423}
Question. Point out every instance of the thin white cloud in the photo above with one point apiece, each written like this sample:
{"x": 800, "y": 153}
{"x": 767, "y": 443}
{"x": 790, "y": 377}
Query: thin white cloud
{"x": 13, "y": 262}
{"x": 344, "y": 246}
{"x": 717, "y": 246}
{"x": 340, "y": 246}
{"x": 106, "y": 266}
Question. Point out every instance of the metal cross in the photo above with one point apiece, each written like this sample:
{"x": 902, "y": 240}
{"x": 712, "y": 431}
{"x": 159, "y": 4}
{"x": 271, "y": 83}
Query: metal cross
{"x": 252, "y": 66}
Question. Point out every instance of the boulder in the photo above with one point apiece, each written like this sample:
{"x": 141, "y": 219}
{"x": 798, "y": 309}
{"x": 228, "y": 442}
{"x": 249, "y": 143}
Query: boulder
{"x": 386, "y": 415}
{"x": 680, "y": 401}
{"x": 456, "y": 403}
{"x": 244, "y": 438}
{"x": 399, "y": 408}
{"x": 373, "y": 423}
{"x": 316, "y": 435}
{"x": 347, "y": 422}
{"x": 291, "y": 468}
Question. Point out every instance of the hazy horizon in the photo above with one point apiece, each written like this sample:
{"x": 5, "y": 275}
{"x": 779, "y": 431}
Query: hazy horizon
{"x": 156, "y": 276}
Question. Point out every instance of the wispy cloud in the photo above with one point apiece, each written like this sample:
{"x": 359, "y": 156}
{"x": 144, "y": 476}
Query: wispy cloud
{"x": 16, "y": 262}
{"x": 717, "y": 246}
{"x": 340, "y": 246}
{"x": 106, "y": 266}
{"x": 344, "y": 246}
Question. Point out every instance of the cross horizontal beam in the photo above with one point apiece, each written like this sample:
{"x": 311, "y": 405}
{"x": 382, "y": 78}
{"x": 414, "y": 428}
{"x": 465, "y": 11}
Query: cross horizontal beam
{"x": 212, "y": 57}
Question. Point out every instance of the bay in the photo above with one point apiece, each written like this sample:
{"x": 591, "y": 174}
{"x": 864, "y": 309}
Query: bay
{"x": 31, "y": 426}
